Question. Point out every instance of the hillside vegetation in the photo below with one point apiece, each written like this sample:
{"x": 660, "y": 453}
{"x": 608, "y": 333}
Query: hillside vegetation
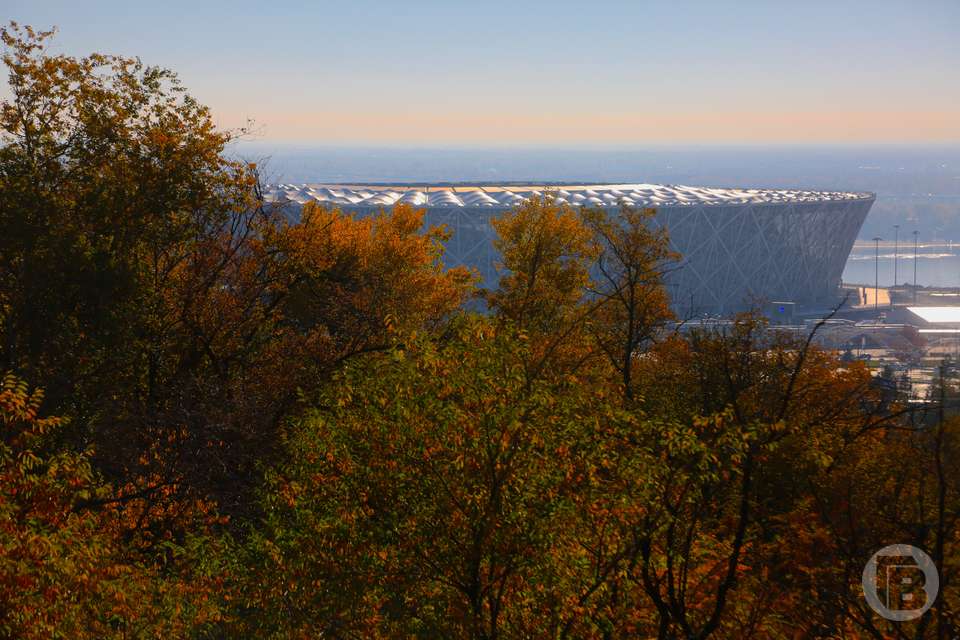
{"x": 219, "y": 423}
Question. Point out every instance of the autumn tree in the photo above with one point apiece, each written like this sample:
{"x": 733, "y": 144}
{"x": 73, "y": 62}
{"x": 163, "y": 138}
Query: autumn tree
{"x": 912, "y": 497}
{"x": 170, "y": 313}
{"x": 750, "y": 418}
{"x": 67, "y": 571}
{"x": 546, "y": 253}
{"x": 435, "y": 492}
{"x": 633, "y": 305}
{"x": 545, "y": 258}
{"x": 115, "y": 195}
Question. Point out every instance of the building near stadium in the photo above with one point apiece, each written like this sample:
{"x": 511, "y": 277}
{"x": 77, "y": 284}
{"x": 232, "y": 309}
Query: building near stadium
{"x": 740, "y": 248}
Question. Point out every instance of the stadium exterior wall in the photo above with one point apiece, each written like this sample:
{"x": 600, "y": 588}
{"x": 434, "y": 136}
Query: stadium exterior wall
{"x": 734, "y": 256}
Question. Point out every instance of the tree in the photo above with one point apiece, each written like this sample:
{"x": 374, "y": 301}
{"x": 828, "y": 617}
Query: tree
{"x": 115, "y": 195}
{"x": 67, "y": 571}
{"x": 754, "y": 417}
{"x": 170, "y": 313}
{"x": 912, "y": 497}
{"x": 434, "y": 492}
{"x": 634, "y": 305}
{"x": 546, "y": 253}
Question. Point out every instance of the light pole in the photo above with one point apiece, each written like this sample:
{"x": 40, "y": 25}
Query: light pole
{"x": 896, "y": 252}
{"x": 876, "y": 277}
{"x": 915, "y": 233}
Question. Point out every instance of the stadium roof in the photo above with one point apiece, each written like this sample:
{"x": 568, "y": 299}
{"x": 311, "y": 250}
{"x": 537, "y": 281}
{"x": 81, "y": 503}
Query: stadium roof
{"x": 602, "y": 195}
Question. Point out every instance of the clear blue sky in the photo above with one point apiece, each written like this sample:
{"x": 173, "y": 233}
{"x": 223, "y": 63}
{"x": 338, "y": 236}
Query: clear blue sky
{"x": 588, "y": 72}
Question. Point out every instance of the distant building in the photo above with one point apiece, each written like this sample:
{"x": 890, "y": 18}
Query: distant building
{"x": 740, "y": 247}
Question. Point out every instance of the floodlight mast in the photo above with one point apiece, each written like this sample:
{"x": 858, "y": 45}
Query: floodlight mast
{"x": 915, "y": 234}
{"x": 876, "y": 276}
{"x": 896, "y": 252}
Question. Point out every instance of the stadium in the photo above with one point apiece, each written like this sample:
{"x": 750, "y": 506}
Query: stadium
{"x": 740, "y": 247}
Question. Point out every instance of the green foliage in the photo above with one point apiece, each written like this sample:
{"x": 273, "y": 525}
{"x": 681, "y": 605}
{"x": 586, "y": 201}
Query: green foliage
{"x": 435, "y": 484}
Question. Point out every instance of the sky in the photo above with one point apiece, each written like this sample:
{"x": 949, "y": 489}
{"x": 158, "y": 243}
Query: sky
{"x": 558, "y": 73}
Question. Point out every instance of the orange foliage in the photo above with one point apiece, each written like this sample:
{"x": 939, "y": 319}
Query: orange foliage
{"x": 65, "y": 571}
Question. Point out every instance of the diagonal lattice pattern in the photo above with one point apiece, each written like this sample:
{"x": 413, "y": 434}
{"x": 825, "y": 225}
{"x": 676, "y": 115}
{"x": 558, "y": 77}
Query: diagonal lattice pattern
{"x": 739, "y": 247}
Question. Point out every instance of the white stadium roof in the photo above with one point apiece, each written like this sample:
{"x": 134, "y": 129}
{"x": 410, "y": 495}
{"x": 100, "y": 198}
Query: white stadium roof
{"x": 604, "y": 195}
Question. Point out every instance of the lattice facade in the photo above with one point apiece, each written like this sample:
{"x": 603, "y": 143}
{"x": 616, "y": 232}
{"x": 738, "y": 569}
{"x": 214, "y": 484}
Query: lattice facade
{"x": 738, "y": 248}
